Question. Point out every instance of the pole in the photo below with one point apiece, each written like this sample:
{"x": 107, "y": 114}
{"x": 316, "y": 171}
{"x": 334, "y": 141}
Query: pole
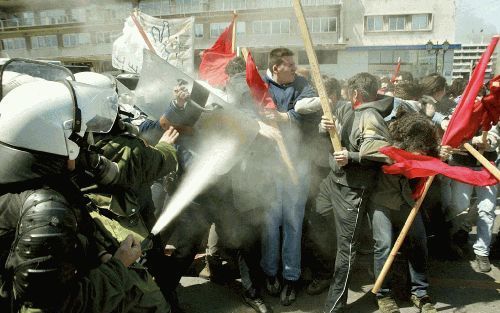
{"x": 141, "y": 31}
{"x": 316, "y": 75}
{"x": 484, "y": 162}
{"x": 401, "y": 237}
{"x": 233, "y": 39}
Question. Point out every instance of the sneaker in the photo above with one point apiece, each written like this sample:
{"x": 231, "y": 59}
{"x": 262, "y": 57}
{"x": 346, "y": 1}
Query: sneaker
{"x": 424, "y": 304}
{"x": 288, "y": 293}
{"x": 387, "y": 305}
{"x": 273, "y": 286}
{"x": 483, "y": 263}
{"x": 256, "y": 302}
{"x": 317, "y": 286}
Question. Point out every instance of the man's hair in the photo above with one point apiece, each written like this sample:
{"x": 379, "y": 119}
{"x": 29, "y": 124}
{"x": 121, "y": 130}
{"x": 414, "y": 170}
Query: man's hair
{"x": 413, "y": 132}
{"x": 276, "y": 56}
{"x": 235, "y": 66}
{"x": 408, "y": 91}
{"x": 332, "y": 87}
{"x": 406, "y": 76}
{"x": 366, "y": 84}
{"x": 432, "y": 83}
{"x": 457, "y": 87}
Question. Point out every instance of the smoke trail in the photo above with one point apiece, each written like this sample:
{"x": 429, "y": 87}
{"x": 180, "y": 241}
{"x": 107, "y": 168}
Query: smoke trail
{"x": 215, "y": 154}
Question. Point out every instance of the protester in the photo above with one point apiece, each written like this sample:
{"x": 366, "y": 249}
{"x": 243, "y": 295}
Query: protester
{"x": 390, "y": 204}
{"x": 319, "y": 235}
{"x": 287, "y": 90}
{"x": 354, "y": 170}
{"x": 461, "y": 194}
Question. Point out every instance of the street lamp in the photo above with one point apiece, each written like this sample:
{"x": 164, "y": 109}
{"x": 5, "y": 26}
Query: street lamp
{"x": 430, "y": 47}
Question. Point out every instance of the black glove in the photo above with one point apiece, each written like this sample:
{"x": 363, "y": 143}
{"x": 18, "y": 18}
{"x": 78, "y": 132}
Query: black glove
{"x": 104, "y": 171}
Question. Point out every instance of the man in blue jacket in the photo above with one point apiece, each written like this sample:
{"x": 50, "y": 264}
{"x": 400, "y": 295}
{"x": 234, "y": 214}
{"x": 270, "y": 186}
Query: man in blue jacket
{"x": 287, "y": 210}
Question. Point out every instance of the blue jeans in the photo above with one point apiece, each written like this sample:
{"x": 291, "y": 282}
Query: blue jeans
{"x": 486, "y": 203}
{"x": 287, "y": 211}
{"x": 383, "y": 222}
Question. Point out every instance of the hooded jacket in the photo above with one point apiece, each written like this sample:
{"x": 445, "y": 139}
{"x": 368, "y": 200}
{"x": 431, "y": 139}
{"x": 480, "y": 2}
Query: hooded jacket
{"x": 363, "y": 132}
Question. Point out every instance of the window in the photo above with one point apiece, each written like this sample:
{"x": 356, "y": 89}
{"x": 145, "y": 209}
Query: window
{"x": 327, "y": 56}
{"x": 240, "y": 28}
{"x": 217, "y": 28}
{"x": 271, "y": 27}
{"x": 322, "y": 24}
{"x": 76, "y": 39}
{"x": 224, "y": 5}
{"x": 420, "y": 22}
{"x": 324, "y": 57}
{"x": 51, "y": 17}
{"x": 43, "y": 41}
{"x": 14, "y": 43}
{"x": 106, "y": 37}
{"x": 198, "y": 30}
{"x": 27, "y": 18}
{"x": 374, "y": 23}
{"x": 396, "y": 23}
{"x": 78, "y": 15}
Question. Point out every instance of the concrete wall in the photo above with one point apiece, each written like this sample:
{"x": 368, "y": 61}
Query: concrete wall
{"x": 443, "y": 21}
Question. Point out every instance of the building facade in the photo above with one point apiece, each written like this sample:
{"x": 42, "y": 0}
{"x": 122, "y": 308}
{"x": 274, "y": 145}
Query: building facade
{"x": 465, "y": 58}
{"x": 350, "y": 36}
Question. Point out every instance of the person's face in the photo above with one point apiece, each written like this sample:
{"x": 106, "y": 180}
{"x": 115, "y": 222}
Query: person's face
{"x": 285, "y": 72}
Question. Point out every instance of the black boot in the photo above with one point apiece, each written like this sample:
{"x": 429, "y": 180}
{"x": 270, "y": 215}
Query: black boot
{"x": 253, "y": 299}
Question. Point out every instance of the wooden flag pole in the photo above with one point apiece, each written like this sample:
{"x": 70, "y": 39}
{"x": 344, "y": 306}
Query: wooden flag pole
{"x": 141, "y": 31}
{"x": 279, "y": 141}
{"x": 316, "y": 75}
{"x": 484, "y": 162}
{"x": 402, "y": 235}
{"x": 233, "y": 37}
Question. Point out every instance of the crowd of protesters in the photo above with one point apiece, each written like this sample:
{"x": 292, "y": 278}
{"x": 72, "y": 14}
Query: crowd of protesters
{"x": 273, "y": 216}
{"x": 342, "y": 198}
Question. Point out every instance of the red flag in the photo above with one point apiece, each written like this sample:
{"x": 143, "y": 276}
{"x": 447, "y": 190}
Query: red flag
{"x": 215, "y": 59}
{"x": 396, "y": 71}
{"x": 258, "y": 87}
{"x": 487, "y": 111}
{"x": 462, "y": 126}
{"x": 414, "y": 166}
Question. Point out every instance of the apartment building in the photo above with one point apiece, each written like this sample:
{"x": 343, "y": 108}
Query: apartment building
{"x": 350, "y": 36}
{"x": 466, "y": 57}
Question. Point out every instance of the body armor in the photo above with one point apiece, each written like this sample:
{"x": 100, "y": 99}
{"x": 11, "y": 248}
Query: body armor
{"x": 46, "y": 249}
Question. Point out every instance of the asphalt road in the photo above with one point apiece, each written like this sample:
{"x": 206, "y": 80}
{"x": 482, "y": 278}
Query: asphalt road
{"x": 455, "y": 286}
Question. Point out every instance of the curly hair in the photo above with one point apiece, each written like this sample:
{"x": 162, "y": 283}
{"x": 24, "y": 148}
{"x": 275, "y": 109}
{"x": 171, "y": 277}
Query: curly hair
{"x": 413, "y": 132}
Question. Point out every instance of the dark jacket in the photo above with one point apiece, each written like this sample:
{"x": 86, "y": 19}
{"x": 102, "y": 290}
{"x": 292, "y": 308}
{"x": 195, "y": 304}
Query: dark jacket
{"x": 363, "y": 132}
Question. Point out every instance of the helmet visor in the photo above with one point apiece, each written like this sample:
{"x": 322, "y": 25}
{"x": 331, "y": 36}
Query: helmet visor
{"x": 98, "y": 106}
{"x": 37, "y": 69}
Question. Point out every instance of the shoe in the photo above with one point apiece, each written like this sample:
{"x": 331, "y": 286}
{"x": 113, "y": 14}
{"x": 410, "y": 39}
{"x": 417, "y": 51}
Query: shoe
{"x": 273, "y": 286}
{"x": 483, "y": 263}
{"x": 288, "y": 293}
{"x": 317, "y": 286}
{"x": 256, "y": 302}
{"x": 424, "y": 304}
{"x": 387, "y": 305}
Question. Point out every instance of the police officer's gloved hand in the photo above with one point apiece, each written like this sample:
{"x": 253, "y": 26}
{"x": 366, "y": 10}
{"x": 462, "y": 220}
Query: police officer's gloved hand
{"x": 105, "y": 171}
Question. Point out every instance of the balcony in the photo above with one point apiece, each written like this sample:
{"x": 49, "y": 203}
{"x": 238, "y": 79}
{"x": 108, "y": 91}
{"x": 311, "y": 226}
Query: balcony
{"x": 67, "y": 20}
{"x": 161, "y": 8}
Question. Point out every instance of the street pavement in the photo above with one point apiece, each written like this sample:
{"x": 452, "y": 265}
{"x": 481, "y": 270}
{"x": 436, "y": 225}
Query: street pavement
{"x": 456, "y": 287}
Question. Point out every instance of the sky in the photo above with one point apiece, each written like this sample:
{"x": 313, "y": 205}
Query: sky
{"x": 474, "y": 15}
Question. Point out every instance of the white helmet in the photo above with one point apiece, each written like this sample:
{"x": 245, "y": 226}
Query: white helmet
{"x": 95, "y": 79}
{"x": 11, "y": 80}
{"x": 52, "y": 117}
